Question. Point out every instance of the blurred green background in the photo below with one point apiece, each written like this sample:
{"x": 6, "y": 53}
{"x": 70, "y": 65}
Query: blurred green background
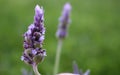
{"x": 93, "y": 41}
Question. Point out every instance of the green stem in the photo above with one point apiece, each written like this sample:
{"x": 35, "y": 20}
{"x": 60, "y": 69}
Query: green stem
{"x": 57, "y": 59}
{"x": 35, "y": 69}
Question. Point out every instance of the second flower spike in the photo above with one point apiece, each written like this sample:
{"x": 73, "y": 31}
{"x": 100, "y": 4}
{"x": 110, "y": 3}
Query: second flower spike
{"x": 64, "y": 21}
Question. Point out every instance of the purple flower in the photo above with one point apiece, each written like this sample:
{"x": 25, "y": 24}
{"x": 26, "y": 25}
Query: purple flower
{"x": 79, "y": 72}
{"x": 64, "y": 20}
{"x": 33, "y": 39}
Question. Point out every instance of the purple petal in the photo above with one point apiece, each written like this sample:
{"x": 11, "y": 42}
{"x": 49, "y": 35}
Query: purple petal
{"x": 34, "y": 52}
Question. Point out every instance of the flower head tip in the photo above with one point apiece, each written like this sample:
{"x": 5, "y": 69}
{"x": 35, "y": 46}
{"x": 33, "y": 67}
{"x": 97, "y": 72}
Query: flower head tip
{"x": 64, "y": 20}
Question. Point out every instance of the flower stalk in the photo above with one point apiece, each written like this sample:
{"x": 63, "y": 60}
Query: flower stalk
{"x": 35, "y": 69}
{"x": 57, "y": 59}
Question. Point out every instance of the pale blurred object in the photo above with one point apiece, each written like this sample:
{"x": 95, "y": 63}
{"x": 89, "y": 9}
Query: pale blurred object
{"x": 67, "y": 74}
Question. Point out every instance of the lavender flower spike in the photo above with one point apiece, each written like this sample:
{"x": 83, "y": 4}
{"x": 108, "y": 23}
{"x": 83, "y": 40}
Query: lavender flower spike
{"x": 64, "y": 21}
{"x": 33, "y": 39}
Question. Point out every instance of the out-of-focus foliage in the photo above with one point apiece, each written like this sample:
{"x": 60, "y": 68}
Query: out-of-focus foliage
{"x": 93, "y": 41}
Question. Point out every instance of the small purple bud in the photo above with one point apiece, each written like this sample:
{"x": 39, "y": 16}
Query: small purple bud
{"x": 79, "y": 72}
{"x": 41, "y": 38}
{"x": 34, "y": 52}
{"x": 38, "y": 10}
{"x": 39, "y": 15}
{"x": 31, "y": 27}
{"x": 28, "y": 32}
{"x": 67, "y": 7}
{"x": 87, "y": 72}
{"x": 64, "y": 20}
